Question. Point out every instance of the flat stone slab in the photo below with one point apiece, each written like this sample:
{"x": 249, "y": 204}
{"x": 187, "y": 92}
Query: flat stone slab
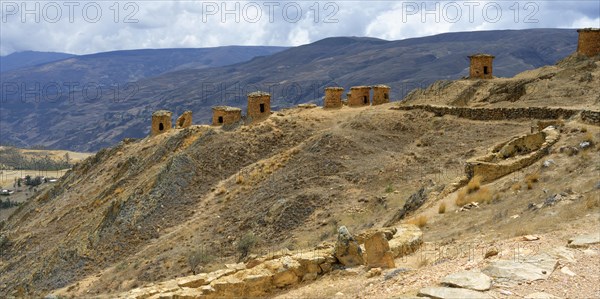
{"x": 584, "y": 240}
{"x": 451, "y": 293}
{"x": 468, "y": 280}
{"x": 533, "y": 268}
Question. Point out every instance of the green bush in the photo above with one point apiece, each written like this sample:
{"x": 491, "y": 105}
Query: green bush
{"x": 246, "y": 244}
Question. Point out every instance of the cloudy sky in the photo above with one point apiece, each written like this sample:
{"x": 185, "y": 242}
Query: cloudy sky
{"x": 83, "y": 27}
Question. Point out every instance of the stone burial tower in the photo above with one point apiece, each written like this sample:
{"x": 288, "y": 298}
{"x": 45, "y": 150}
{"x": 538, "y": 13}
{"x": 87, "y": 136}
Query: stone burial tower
{"x": 588, "y": 43}
{"x": 161, "y": 122}
{"x": 333, "y": 97}
{"x": 226, "y": 115}
{"x": 259, "y": 105}
{"x": 481, "y": 66}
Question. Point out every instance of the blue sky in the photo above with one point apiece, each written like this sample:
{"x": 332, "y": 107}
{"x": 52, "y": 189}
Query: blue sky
{"x": 83, "y": 27}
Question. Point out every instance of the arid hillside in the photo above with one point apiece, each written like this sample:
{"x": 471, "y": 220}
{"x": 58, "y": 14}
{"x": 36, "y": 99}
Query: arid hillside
{"x": 132, "y": 214}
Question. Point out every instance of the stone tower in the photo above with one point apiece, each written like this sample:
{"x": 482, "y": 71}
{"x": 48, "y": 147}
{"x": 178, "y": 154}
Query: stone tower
{"x": 225, "y": 115}
{"x": 481, "y": 66}
{"x": 589, "y": 42}
{"x": 381, "y": 94}
{"x": 359, "y": 96}
{"x": 161, "y": 122}
{"x": 333, "y": 97}
{"x": 259, "y": 105}
{"x": 184, "y": 121}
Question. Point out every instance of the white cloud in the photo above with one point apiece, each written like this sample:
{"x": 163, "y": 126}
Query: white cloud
{"x": 161, "y": 24}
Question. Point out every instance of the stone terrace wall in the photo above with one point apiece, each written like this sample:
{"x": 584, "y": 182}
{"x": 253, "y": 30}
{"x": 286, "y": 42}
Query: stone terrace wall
{"x": 592, "y": 117}
{"x": 489, "y": 170}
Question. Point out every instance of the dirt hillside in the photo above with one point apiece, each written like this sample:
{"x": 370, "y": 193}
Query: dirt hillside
{"x": 130, "y": 215}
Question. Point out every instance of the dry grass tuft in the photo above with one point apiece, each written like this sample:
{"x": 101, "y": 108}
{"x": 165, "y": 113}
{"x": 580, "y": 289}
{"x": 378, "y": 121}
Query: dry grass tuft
{"x": 482, "y": 195}
{"x": 588, "y": 137}
{"x": 419, "y": 221}
{"x": 515, "y": 187}
{"x": 239, "y": 179}
{"x": 442, "y": 208}
{"x": 221, "y": 191}
{"x": 592, "y": 202}
{"x": 532, "y": 178}
{"x": 474, "y": 184}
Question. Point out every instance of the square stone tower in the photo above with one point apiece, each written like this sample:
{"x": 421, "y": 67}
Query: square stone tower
{"x": 225, "y": 115}
{"x": 161, "y": 122}
{"x": 185, "y": 120}
{"x": 381, "y": 94}
{"x": 589, "y": 42}
{"x": 333, "y": 97}
{"x": 359, "y": 96}
{"x": 259, "y": 105}
{"x": 481, "y": 66}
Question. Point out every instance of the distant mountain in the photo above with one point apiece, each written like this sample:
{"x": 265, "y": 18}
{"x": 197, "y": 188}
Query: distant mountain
{"x": 29, "y": 58}
{"x": 109, "y": 68}
{"x": 87, "y": 122}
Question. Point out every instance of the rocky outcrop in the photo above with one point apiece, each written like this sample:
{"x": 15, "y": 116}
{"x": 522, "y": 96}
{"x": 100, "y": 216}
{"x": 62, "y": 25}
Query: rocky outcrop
{"x": 347, "y": 250}
{"x": 282, "y": 269}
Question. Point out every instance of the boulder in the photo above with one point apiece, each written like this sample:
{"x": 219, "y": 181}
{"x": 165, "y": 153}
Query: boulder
{"x": 378, "y": 252}
{"x": 584, "y": 240}
{"x": 468, "y": 280}
{"x": 347, "y": 250}
{"x": 529, "y": 269}
{"x": 453, "y": 293}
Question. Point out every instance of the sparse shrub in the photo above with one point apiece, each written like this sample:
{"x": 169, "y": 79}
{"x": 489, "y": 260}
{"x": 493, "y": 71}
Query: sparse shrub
{"x": 583, "y": 129}
{"x": 442, "y": 208}
{"x": 474, "y": 184}
{"x": 419, "y": 221}
{"x": 592, "y": 202}
{"x": 515, "y": 187}
{"x": 532, "y": 178}
{"x": 588, "y": 137}
{"x": 221, "y": 191}
{"x": 246, "y": 244}
{"x": 389, "y": 188}
{"x": 3, "y": 242}
{"x": 198, "y": 257}
{"x": 461, "y": 197}
{"x": 482, "y": 195}
{"x": 423, "y": 262}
